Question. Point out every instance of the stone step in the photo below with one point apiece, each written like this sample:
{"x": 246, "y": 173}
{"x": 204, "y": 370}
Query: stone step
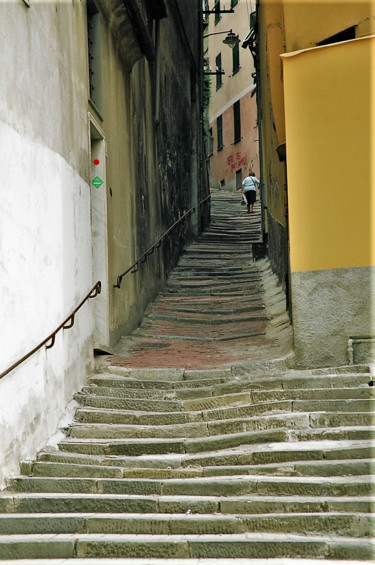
{"x": 232, "y": 291}
{"x": 362, "y": 485}
{"x": 242, "y": 308}
{"x": 33, "y": 503}
{"x": 143, "y": 446}
{"x": 213, "y": 281}
{"x": 256, "y": 545}
{"x": 204, "y": 319}
{"x": 128, "y": 403}
{"x": 297, "y": 420}
{"x": 279, "y": 452}
{"x": 92, "y": 415}
{"x": 122, "y": 381}
{"x": 237, "y": 375}
{"x": 361, "y": 524}
{"x": 151, "y": 561}
{"x": 197, "y": 429}
{"x": 202, "y": 332}
{"x": 324, "y": 468}
{"x": 120, "y": 388}
{"x": 259, "y": 454}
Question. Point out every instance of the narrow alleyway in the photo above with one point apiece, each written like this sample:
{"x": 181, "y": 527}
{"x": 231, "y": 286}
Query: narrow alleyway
{"x": 213, "y": 312}
{"x": 196, "y": 445}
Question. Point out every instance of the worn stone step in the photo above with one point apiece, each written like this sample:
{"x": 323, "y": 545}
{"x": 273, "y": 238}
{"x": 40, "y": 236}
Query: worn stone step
{"x": 348, "y": 395}
{"x": 340, "y": 467}
{"x": 214, "y": 311}
{"x": 68, "y": 469}
{"x": 361, "y": 525}
{"x": 233, "y": 291}
{"x": 285, "y": 385}
{"x": 152, "y": 561}
{"x": 200, "y": 429}
{"x": 334, "y": 405}
{"x": 213, "y": 281}
{"x": 203, "y": 486}
{"x": 184, "y": 546}
{"x": 201, "y": 335}
{"x": 205, "y": 319}
{"x": 282, "y": 452}
{"x": 106, "y": 415}
{"x": 341, "y": 433}
{"x": 128, "y": 403}
{"x": 141, "y": 378}
{"x": 256, "y": 454}
{"x": 194, "y": 430}
{"x": 122, "y": 392}
{"x": 144, "y": 446}
{"x": 122, "y": 381}
{"x": 299, "y": 468}
{"x": 27, "y": 502}
{"x": 144, "y": 374}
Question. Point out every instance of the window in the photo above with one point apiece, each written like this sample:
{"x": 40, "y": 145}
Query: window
{"x": 344, "y": 35}
{"x": 210, "y": 145}
{"x": 219, "y": 80}
{"x": 206, "y": 8}
{"x": 236, "y": 59}
{"x": 238, "y": 179}
{"x": 237, "y": 121}
{"x": 219, "y": 126}
{"x": 217, "y": 11}
{"x": 233, "y": 3}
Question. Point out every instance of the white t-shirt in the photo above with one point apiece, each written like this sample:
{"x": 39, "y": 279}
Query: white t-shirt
{"x": 249, "y": 183}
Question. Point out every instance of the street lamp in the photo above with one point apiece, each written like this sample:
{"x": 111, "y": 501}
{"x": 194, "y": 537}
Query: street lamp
{"x": 231, "y": 39}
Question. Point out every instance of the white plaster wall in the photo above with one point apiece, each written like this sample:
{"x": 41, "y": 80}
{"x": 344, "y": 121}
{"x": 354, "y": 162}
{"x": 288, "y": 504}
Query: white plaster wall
{"x": 45, "y": 227}
{"x": 45, "y": 271}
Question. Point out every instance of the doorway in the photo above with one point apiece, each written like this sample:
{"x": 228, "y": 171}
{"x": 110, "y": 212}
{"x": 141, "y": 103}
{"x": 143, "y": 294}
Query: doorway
{"x": 99, "y": 236}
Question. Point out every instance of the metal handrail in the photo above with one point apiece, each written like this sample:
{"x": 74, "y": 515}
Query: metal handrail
{"x": 134, "y": 267}
{"x": 67, "y": 324}
{"x": 205, "y": 200}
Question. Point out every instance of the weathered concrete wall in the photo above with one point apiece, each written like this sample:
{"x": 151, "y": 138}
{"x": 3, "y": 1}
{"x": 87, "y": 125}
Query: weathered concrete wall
{"x": 329, "y": 308}
{"x": 45, "y": 234}
{"x": 159, "y": 160}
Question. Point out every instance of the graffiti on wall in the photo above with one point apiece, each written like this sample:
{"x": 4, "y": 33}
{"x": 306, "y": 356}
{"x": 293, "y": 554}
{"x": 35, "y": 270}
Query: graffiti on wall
{"x": 236, "y": 160}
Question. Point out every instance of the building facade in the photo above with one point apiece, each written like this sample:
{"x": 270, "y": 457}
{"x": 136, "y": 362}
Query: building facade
{"x": 316, "y": 100}
{"x": 101, "y": 150}
{"x": 232, "y": 120}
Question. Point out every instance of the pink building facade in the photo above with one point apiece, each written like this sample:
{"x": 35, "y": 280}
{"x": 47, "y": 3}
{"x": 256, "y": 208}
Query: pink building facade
{"x": 232, "y": 111}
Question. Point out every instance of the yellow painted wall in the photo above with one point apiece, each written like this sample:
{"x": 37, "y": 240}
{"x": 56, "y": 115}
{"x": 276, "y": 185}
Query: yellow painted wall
{"x": 271, "y": 102}
{"x": 308, "y": 22}
{"x": 329, "y": 101}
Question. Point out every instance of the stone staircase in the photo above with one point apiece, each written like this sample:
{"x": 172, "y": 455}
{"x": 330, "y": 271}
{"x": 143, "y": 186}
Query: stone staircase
{"x": 196, "y": 445}
{"x": 215, "y": 310}
{"x": 176, "y": 464}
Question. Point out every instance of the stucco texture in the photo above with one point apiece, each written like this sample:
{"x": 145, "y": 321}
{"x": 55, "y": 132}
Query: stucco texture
{"x": 329, "y": 123}
{"x": 329, "y": 308}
